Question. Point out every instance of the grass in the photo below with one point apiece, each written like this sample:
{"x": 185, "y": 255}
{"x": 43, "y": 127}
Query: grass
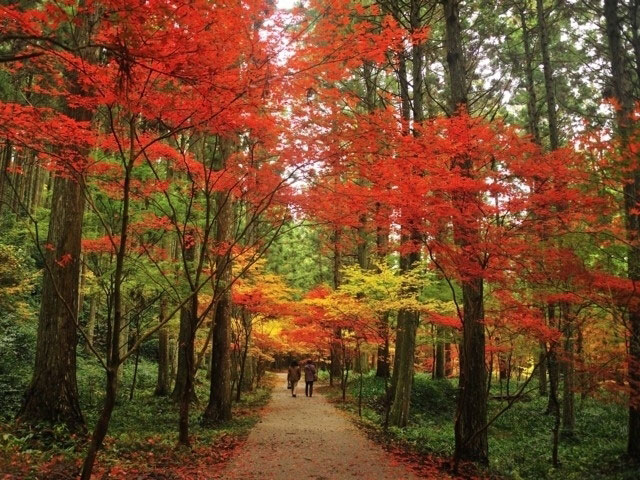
{"x": 142, "y": 435}
{"x": 519, "y": 440}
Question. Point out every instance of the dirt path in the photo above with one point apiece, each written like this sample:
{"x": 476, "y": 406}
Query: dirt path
{"x": 308, "y": 438}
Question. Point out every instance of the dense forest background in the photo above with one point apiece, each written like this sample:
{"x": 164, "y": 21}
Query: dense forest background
{"x": 435, "y": 200}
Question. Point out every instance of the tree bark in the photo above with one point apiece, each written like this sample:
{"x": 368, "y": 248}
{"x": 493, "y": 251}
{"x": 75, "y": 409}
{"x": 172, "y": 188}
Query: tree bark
{"x": 471, "y": 418}
{"x": 164, "y": 380}
{"x": 382, "y": 363}
{"x": 382, "y": 246}
{"x": 402, "y": 380}
{"x": 568, "y": 412}
{"x": 407, "y": 329}
{"x": 553, "y": 406}
{"x": 7, "y": 153}
{"x": 184, "y": 339}
{"x": 622, "y": 90}
{"x": 123, "y": 340}
{"x": 53, "y": 394}
{"x": 36, "y": 194}
{"x": 246, "y": 325}
{"x": 547, "y": 68}
{"x": 438, "y": 371}
{"x": 448, "y": 363}
{"x": 471, "y": 442}
{"x": 188, "y": 393}
{"x": 91, "y": 322}
{"x": 336, "y": 354}
{"x": 542, "y": 372}
{"x": 113, "y": 359}
{"x": 533, "y": 115}
{"x": 219, "y": 407}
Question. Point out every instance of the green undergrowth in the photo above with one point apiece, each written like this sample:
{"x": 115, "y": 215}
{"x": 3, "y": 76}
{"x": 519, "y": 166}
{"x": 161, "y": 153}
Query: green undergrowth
{"x": 519, "y": 440}
{"x": 143, "y": 431}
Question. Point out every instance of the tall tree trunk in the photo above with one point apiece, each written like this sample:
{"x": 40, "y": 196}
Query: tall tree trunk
{"x": 471, "y": 418}
{"x": 91, "y": 322}
{"x": 552, "y": 365}
{"x": 184, "y": 392}
{"x": 404, "y": 365}
{"x": 36, "y": 193}
{"x": 188, "y": 393}
{"x": 163, "y": 382}
{"x": 173, "y": 358}
{"x": 123, "y": 340}
{"x": 336, "y": 353}
{"x": 53, "y": 393}
{"x": 553, "y": 406}
{"x": 568, "y": 413}
{"x": 554, "y": 143}
{"x": 219, "y": 407}
{"x": 382, "y": 246}
{"x": 382, "y": 362}
{"x": 17, "y": 180}
{"x": 246, "y": 324}
{"x": 184, "y": 339}
{"x": 533, "y": 115}
{"x": 622, "y": 90}
{"x": 439, "y": 371}
{"x": 113, "y": 358}
{"x": 25, "y": 191}
{"x": 550, "y": 92}
{"x": 7, "y": 153}
{"x": 408, "y": 320}
{"x": 471, "y": 441}
{"x": 542, "y": 372}
{"x": 83, "y": 281}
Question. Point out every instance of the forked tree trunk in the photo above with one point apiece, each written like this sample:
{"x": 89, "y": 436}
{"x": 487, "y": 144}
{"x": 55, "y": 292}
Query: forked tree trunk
{"x": 113, "y": 359}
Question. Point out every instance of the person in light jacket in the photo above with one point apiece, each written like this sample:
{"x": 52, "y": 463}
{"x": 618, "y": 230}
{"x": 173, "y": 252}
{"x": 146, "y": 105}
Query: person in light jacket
{"x": 310, "y": 376}
{"x": 293, "y": 376}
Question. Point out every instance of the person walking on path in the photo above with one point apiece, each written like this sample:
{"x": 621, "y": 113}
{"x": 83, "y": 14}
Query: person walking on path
{"x": 310, "y": 376}
{"x": 293, "y": 376}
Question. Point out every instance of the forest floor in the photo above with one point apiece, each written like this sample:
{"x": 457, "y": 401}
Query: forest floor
{"x": 310, "y": 438}
{"x": 141, "y": 444}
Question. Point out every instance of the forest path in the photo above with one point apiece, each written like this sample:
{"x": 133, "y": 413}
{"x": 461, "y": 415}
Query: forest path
{"x": 308, "y": 438}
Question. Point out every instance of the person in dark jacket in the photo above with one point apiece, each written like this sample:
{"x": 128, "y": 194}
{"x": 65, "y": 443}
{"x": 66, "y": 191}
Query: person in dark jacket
{"x": 310, "y": 376}
{"x": 293, "y": 376}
